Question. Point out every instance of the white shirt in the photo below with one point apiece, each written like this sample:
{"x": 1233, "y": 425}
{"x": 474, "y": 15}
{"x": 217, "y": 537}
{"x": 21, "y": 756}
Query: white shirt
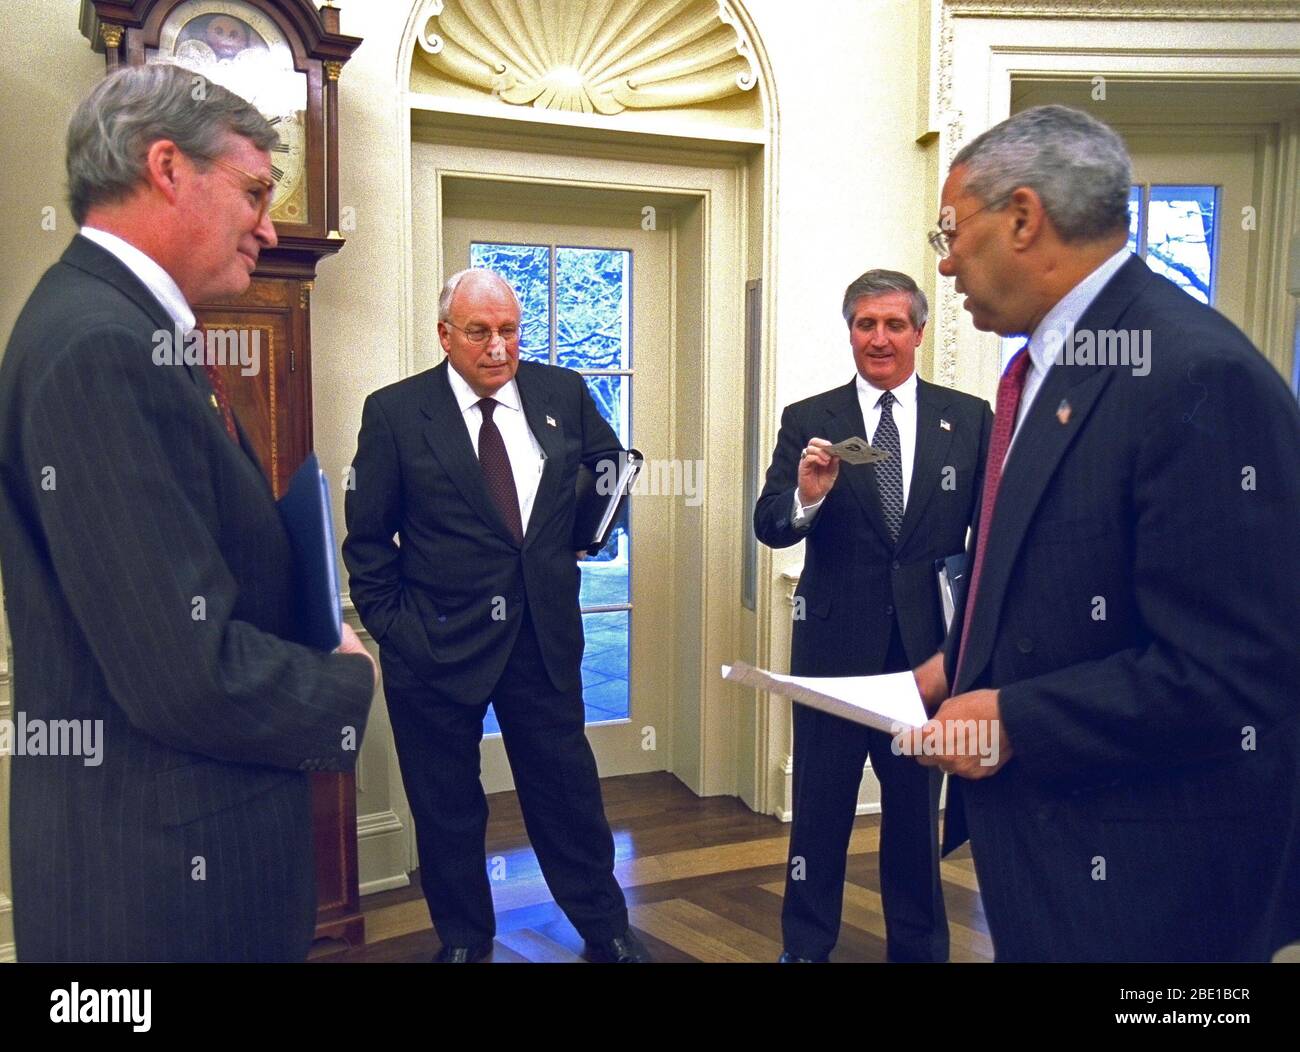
{"x": 151, "y": 275}
{"x": 526, "y": 456}
{"x": 1061, "y": 319}
{"x": 904, "y": 413}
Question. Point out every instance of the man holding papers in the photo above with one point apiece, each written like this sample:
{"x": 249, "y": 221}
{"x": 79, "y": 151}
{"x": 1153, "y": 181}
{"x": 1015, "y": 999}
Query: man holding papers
{"x": 868, "y": 603}
{"x": 1133, "y": 596}
{"x": 472, "y": 465}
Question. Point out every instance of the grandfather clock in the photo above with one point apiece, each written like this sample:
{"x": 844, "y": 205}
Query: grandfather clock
{"x": 284, "y": 56}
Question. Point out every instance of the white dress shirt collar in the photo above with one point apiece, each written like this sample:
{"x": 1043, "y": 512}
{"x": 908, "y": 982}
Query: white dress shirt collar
{"x": 904, "y": 393}
{"x": 507, "y": 394}
{"x": 151, "y": 274}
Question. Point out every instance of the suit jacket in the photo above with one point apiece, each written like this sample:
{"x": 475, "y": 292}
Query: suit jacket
{"x": 1137, "y": 609}
{"x": 852, "y": 571}
{"x": 448, "y": 602}
{"x": 147, "y": 581}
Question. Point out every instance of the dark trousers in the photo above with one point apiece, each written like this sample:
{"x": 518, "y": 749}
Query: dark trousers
{"x": 829, "y": 754}
{"x": 555, "y": 777}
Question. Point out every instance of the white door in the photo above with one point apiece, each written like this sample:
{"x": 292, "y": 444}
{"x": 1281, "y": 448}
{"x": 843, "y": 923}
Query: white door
{"x": 595, "y": 288}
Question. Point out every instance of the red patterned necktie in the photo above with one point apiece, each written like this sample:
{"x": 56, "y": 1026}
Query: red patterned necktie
{"x": 221, "y": 399}
{"x": 497, "y": 473}
{"x": 1010, "y": 388}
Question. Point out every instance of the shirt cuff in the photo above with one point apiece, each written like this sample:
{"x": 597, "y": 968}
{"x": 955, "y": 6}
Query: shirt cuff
{"x": 802, "y": 517}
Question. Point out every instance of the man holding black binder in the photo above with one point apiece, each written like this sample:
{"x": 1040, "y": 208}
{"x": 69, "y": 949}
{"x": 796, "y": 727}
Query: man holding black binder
{"x": 868, "y": 602}
{"x": 473, "y": 465}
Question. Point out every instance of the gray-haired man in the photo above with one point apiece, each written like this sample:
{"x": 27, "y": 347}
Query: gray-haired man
{"x": 868, "y": 602}
{"x": 1133, "y": 596}
{"x": 147, "y": 573}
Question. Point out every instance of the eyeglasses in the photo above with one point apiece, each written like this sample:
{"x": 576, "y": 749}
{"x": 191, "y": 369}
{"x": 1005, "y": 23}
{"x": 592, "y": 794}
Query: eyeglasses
{"x": 480, "y": 334}
{"x": 941, "y": 239}
{"x": 266, "y": 186}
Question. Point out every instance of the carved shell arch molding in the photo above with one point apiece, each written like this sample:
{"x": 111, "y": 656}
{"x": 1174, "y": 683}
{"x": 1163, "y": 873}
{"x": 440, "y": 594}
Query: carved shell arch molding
{"x": 591, "y": 56}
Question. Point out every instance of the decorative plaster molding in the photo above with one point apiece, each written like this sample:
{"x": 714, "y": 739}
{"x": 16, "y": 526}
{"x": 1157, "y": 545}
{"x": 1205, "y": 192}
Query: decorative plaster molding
{"x": 1130, "y": 10}
{"x": 947, "y": 309}
{"x": 601, "y": 56}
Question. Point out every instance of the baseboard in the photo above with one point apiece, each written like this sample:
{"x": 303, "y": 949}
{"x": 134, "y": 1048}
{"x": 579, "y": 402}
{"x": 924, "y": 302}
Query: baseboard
{"x": 868, "y": 791}
{"x": 373, "y": 887}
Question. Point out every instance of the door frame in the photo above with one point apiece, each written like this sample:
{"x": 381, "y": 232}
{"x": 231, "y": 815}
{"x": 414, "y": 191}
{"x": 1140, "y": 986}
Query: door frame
{"x": 707, "y": 356}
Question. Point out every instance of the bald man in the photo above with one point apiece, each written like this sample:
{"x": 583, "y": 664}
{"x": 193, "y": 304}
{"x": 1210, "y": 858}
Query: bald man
{"x": 472, "y": 465}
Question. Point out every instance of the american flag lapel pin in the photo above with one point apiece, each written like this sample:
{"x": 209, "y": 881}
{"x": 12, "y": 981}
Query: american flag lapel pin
{"x": 551, "y": 420}
{"x": 944, "y": 425}
{"x": 1063, "y": 412}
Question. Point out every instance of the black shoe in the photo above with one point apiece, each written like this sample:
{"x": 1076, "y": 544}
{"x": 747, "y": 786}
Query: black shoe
{"x": 463, "y": 954}
{"x": 625, "y": 949}
{"x": 788, "y": 958}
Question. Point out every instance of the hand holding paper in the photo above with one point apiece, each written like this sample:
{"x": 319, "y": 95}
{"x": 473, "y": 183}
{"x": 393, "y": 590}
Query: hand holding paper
{"x": 888, "y": 703}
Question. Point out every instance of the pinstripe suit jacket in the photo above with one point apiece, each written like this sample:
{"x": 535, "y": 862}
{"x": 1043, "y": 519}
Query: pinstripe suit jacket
{"x": 148, "y": 587}
{"x": 1137, "y": 609}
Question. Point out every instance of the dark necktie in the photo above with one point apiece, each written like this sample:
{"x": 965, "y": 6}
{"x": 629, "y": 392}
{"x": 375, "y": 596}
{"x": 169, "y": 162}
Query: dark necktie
{"x": 500, "y": 479}
{"x": 220, "y": 399}
{"x": 1010, "y": 388}
{"x": 889, "y": 472}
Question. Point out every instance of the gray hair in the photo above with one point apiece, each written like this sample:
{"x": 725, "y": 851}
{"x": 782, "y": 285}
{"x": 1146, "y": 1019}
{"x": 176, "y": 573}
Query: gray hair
{"x": 132, "y": 108}
{"x": 879, "y": 282}
{"x": 450, "y": 286}
{"x": 1079, "y": 167}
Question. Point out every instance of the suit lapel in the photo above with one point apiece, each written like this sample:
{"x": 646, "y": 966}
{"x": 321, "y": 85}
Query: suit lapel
{"x": 447, "y": 436}
{"x": 1036, "y": 452}
{"x": 932, "y": 443}
{"x": 547, "y": 428}
{"x": 846, "y": 421}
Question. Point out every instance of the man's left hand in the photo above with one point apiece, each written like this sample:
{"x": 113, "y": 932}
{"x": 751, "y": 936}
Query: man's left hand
{"x": 965, "y": 738}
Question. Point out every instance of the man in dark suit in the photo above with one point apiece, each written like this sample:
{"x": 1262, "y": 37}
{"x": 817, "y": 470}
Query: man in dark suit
{"x": 1133, "y": 598}
{"x": 147, "y": 573}
{"x": 868, "y": 602}
{"x": 472, "y": 466}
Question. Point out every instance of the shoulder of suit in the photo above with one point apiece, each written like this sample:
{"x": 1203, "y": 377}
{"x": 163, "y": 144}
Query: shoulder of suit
{"x": 825, "y": 399}
{"x": 408, "y": 387}
{"x": 952, "y": 397}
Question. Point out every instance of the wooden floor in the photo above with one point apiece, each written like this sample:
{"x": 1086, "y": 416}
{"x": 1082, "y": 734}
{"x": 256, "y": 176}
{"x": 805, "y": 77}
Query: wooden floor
{"x": 703, "y": 880}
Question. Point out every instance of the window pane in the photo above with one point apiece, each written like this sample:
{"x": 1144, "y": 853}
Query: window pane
{"x": 604, "y": 666}
{"x": 611, "y": 394}
{"x": 528, "y": 269}
{"x": 593, "y": 301}
{"x": 1180, "y": 236}
{"x": 605, "y": 576}
{"x": 1134, "y": 215}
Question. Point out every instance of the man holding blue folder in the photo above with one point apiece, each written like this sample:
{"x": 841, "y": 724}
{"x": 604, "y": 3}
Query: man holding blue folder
{"x": 148, "y": 574}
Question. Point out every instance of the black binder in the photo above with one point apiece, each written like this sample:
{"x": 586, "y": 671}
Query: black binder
{"x": 951, "y": 571}
{"x": 602, "y": 499}
{"x": 309, "y": 520}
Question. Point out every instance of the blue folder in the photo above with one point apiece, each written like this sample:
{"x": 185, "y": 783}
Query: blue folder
{"x": 309, "y": 521}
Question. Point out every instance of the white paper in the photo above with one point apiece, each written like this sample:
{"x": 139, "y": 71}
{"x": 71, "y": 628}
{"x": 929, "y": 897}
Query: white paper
{"x": 888, "y": 703}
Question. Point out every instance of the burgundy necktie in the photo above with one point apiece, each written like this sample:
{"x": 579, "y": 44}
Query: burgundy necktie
{"x": 222, "y": 400}
{"x": 1010, "y": 388}
{"x": 500, "y": 479}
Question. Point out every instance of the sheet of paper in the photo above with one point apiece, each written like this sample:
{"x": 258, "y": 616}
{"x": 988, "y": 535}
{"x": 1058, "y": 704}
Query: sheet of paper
{"x": 888, "y": 703}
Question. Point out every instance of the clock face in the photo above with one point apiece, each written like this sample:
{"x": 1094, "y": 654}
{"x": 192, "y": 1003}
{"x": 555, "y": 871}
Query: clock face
{"x": 240, "y": 47}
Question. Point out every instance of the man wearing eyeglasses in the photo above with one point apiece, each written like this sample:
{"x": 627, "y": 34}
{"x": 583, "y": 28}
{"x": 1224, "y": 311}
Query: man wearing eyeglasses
{"x": 146, "y": 569}
{"x": 472, "y": 466}
{"x": 1129, "y": 629}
